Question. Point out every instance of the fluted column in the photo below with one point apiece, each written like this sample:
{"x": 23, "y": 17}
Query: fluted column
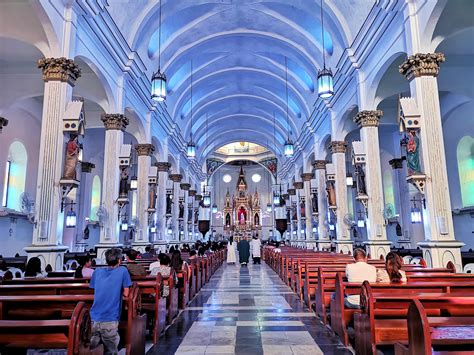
{"x": 440, "y": 245}
{"x": 163, "y": 170}
{"x": 59, "y": 75}
{"x": 176, "y": 178}
{"x": 115, "y": 125}
{"x": 190, "y": 221}
{"x": 293, "y": 204}
{"x": 377, "y": 244}
{"x": 310, "y": 239}
{"x": 343, "y": 242}
{"x": 142, "y": 236}
{"x": 185, "y": 187}
{"x": 298, "y": 185}
{"x": 323, "y": 241}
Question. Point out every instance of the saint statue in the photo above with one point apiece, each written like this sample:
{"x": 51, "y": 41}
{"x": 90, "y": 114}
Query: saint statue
{"x": 413, "y": 153}
{"x": 256, "y": 219}
{"x": 152, "y": 196}
{"x": 302, "y": 210}
{"x": 227, "y": 220}
{"x": 190, "y": 214}
{"x": 72, "y": 157}
{"x": 242, "y": 215}
{"x": 295, "y": 214}
{"x": 169, "y": 203}
{"x": 181, "y": 210}
{"x": 123, "y": 190}
{"x": 196, "y": 215}
{"x": 361, "y": 188}
{"x": 314, "y": 203}
{"x": 331, "y": 193}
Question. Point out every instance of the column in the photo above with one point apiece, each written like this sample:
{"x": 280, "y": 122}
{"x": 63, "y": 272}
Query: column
{"x": 163, "y": 169}
{"x": 59, "y": 75}
{"x": 83, "y": 198}
{"x": 440, "y": 246}
{"x": 185, "y": 187}
{"x": 402, "y": 200}
{"x": 115, "y": 125}
{"x": 191, "y": 195}
{"x": 323, "y": 241}
{"x": 310, "y": 239}
{"x": 142, "y": 237}
{"x": 377, "y": 244}
{"x": 343, "y": 242}
{"x": 292, "y": 197}
{"x": 176, "y": 179}
{"x": 298, "y": 185}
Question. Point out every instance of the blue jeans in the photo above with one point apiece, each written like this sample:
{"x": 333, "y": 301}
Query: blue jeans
{"x": 107, "y": 334}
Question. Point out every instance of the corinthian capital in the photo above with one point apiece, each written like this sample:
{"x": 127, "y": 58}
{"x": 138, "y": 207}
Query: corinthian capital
{"x": 176, "y": 177}
{"x": 307, "y": 176}
{"x": 163, "y": 166}
{"x": 319, "y": 164}
{"x": 421, "y": 64}
{"x": 368, "y": 118}
{"x": 144, "y": 149}
{"x": 59, "y": 69}
{"x": 338, "y": 147}
{"x": 114, "y": 121}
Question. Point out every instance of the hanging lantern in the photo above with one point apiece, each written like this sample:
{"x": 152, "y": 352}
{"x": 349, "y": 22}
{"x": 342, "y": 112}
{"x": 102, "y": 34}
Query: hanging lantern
{"x": 214, "y": 208}
{"x": 269, "y": 207}
{"x": 71, "y": 219}
{"x": 276, "y": 200}
{"x": 133, "y": 183}
{"x": 415, "y": 215}
{"x": 153, "y": 229}
{"x": 349, "y": 180}
{"x": 325, "y": 83}
{"x": 124, "y": 225}
{"x": 191, "y": 149}
{"x": 206, "y": 200}
{"x": 289, "y": 148}
{"x": 360, "y": 222}
{"x": 158, "y": 86}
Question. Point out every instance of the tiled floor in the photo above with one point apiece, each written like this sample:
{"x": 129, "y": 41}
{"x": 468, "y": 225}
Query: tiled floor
{"x": 247, "y": 310}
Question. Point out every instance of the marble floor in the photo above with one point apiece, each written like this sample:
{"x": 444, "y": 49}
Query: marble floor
{"x": 247, "y": 310}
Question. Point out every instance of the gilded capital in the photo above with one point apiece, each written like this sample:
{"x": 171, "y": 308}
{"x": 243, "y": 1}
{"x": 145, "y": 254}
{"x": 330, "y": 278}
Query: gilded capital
{"x": 298, "y": 185}
{"x": 87, "y": 167}
{"x": 338, "y": 147}
{"x": 320, "y": 164}
{"x": 59, "y": 69}
{"x": 176, "y": 177}
{"x": 307, "y": 176}
{"x": 185, "y": 186}
{"x": 368, "y": 118}
{"x": 3, "y": 123}
{"x": 114, "y": 121}
{"x": 145, "y": 149}
{"x": 192, "y": 193}
{"x": 163, "y": 166}
{"x": 291, "y": 192}
{"x": 421, "y": 64}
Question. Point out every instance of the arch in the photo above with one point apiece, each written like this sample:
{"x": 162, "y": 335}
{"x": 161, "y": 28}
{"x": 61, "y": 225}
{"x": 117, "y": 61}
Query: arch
{"x": 15, "y": 176}
{"x": 465, "y": 160}
{"x": 252, "y": 160}
{"x": 95, "y": 197}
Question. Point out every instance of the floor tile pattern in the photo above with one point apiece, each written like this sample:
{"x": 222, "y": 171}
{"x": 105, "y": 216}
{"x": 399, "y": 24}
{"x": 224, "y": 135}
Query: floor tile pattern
{"x": 247, "y": 310}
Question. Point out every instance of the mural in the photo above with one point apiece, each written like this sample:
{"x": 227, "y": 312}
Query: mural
{"x": 271, "y": 164}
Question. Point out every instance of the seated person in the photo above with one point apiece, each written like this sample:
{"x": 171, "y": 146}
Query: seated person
{"x": 165, "y": 270}
{"x": 192, "y": 257}
{"x": 33, "y": 268}
{"x": 393, "y": 269}
{"x": 133, "y": 268}
{"x": 359, "y": 272}
{"x": 147, "y": 254}
{"x": 277, "y": 248}
{"x": 156, "y": 263}
{"x": 84, "y": 269}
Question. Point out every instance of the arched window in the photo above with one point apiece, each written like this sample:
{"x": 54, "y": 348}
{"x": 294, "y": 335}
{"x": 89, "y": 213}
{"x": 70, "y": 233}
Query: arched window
{"x": 465, "y": 157}
{"x": 95, "y": 199}
{"x": 15, "y": 176}
{"x": 388, "y": 191}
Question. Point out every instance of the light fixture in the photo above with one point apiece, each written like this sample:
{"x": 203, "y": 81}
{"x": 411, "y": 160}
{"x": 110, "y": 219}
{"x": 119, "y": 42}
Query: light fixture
{"x": 214, "y": 208}
{"x": 227, "y": 178}
{"x": 315, "y": 229}
{"x": 415, "y": 212}
{"x": 206, "y": 200}
{"x": 256, "y": 178}
{"x": 158, "y": 80}
{"x": 349, "y": 180}
{"x": 276, "y": 199}
{"x": 170, "y": 231}
{"x": 133, "y": 183}
{"x": 269, "y": 207}
{"x": 191, "y": 148}
{"x": 71, "y": 219}
{"x": 153, "y": 229}
{"x": 331, "y": 227}
{"x": 124, "y": 225}
{"x": 325, "y": 77}
{"x": 289, "y": 147}
{"x": 294, "y": 232}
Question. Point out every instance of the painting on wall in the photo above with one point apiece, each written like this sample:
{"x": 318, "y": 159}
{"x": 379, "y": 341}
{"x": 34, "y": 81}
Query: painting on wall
{"x": 271, "y": 164}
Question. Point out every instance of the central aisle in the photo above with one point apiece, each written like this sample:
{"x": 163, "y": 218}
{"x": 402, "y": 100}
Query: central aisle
{"x": 247, "y": 310}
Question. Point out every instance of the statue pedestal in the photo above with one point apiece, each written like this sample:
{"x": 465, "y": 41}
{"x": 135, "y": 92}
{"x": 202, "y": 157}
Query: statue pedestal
{"x": 344, "y": 246}
{"x": 440, "y": 253}
{"x": 377, "y": 248}
{"x": 48, "y": 254}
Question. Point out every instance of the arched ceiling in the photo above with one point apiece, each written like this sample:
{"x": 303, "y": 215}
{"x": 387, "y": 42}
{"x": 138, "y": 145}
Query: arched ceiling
{"x": 238, "y": 50}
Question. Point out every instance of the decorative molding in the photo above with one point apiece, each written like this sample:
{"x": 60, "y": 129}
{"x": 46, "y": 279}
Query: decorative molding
{"x": 320, "y": 164}
{"x": 145, "y": 149}
{"x": 3, "y": 123}
{"x": 176, "y": 177}
{"x": 368, "y": 118}
{"x": 59, "y": 69}
{"x": 338, "y": 147}
{"x": 114, "y": 121}
{"x": 298, "y": 185}
{"x": 185, "y": 186}
{"x": 163, "y": 166}
{"x": 87, "y": 167}
{"x": 421, "y": 64}
{"x": 307, "y": 176}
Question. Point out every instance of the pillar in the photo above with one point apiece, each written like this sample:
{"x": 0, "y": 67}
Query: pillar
{"x": 310, "y": 239}
{"x": 83, "y": 197}
{"x": 324, "y": 241}
{"x": 343, "y": 242}
{"x": 292, "y": 229}
{"x": 402, "y": 200}
{"x": 185, "y": 187}
{"x": 163, "y": 169}
{"x": 300, "y": 237}
{"x": 176, "y": 179}
{"x": 142, "y": 236}
{"x": 115, "y": 125}
{"x": 377, "y": 244}
{"x": 440, "y": 245}
{"x": 190, "y": 220}
{"x": 59, "y": 75}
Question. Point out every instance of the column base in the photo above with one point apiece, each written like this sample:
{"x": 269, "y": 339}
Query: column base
{"x": 323, "y": 245}
{"x": 101, "y": 248}
{"x": 376, "y": 249}
{"x": 439, "y": 253}
{"x": 48, "y": 254}
{"x": 344, "y": 246}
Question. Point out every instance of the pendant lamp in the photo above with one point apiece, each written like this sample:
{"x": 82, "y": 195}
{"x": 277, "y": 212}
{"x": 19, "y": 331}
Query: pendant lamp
{"x": 191, "y": 147}
{"x": 289, "y": 147}
{"x": 158, "y": 80}
{"x": 325, "y": 77}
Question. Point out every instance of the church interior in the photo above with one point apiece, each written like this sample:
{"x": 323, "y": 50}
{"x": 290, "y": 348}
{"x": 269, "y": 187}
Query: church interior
{"x": 305, "y": 130}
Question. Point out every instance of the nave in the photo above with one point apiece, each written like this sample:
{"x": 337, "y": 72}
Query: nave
{"x": 247, "y": 310}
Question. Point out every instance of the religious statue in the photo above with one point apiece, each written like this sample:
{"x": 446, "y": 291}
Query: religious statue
{"x": 227, "y": 220}
{"x": 331, "y": 193}
{"x": 152, "y": 196}
{"x": 190, "y": 214}
{"x": 314, "y": 203}
{"x": 242, "y": 215}
{"x": 196, "y": 215}
{"x": 181, "y": 210}
{"x": 72, "y": 157}
{"x": 288, "y": 215}
{"x": 295, "y": 214}
{"x": 361, "y": 187}
{"x": 256, "y": 219}
{"x": 169, "y": 203}
{"x": 413, "y": 153}
{"x": 86, "y": 232}
{"x": 302, "y": 209}
{"x": 123, "y": 189}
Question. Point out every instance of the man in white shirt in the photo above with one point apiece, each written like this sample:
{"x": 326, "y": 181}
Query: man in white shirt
{"x": 359, "y": 272}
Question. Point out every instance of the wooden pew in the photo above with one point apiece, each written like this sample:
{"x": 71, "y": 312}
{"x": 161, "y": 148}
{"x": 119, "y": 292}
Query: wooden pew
{"x": 452, "y": 334}
{"x": 71, "y": 333}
